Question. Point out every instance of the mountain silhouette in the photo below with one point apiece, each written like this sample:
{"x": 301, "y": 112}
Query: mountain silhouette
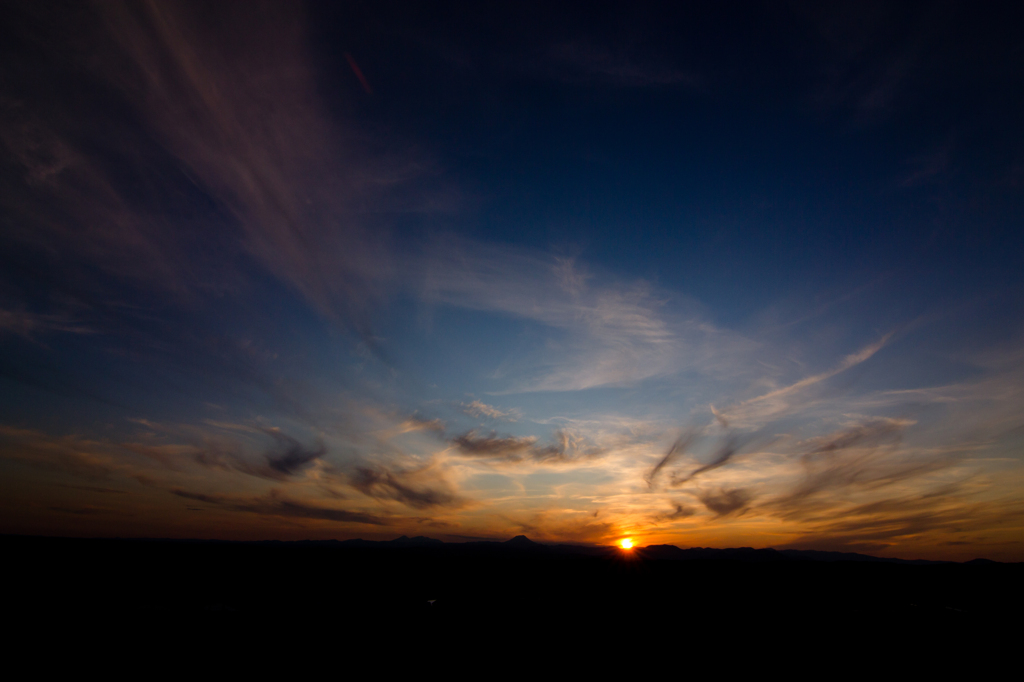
{"x": 418, "y": 541}
{"x": 521, "y": 541}
{"x": 507, "y": 587}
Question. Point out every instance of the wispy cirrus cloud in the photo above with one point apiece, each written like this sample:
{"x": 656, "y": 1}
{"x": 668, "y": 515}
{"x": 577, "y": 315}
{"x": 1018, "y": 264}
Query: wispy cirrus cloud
{"x": 567, "y": 446}
{"x": 172, "y": 174}
{"x": 150, "y": 459}
{"x": 478, "y": 409}
{"x": 279, "y": 463}
{"x": 862, "y": 457}
{"x": 419, "y": 488}
{"x": 295, "y": 470}
{"x": 770, "y": 405}
{"x": 275, "y": 504}
{"x": 602, "y": 333}
{"x": 272, "y": 162}
{"x": 234, "y": 150}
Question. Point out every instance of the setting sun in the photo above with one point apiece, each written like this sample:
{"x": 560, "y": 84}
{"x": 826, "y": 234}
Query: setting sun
{"x": 626, "y": 543}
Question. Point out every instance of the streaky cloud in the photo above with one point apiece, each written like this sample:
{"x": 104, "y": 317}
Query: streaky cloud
{"x": 721, "y": 458}
{"x": 294, "y": 456}
{"x": 860, "y": 457}
{"x": 274, "y": 504}
{"x": 726, "y": 502}
{"x": 677, "y": 449}
{"x": 477, "y": 408}
{"x": 757, "y": 410}
{"x": 567, "y": 447}
{"x": 289, "y": 457}
{"x": 410, "y": 488}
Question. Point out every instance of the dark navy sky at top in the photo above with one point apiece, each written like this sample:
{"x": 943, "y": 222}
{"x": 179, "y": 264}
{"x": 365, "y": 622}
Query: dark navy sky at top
{"x": 801, "y": 150}
{"x": 740, "y": 153}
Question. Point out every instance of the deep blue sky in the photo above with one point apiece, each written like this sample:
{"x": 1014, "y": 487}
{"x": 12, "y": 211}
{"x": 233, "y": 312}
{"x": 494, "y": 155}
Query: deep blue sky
{"x": 741, "y": 153}
{"x": 487, "y": 289}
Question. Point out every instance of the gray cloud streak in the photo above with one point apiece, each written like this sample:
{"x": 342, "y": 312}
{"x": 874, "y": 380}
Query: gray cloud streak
{"x": 726, "y": 502}
{"x": 721, "y": 458}
{"x": 857, "y": 457}
{"x": 274, "y": 505}
{"x": 283, "y": 462}
{"x": 567, "y": 447}
{"x": 404, "y": 487}
{"x": 294, "y": 455}
{"x": 677, "y": 449}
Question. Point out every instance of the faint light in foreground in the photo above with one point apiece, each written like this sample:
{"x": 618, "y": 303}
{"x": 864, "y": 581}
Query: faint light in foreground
{"x": 627, "y": 543}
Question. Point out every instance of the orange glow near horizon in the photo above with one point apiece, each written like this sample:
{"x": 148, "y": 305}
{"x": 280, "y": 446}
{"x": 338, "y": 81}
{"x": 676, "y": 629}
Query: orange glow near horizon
{"x": 626, "y": 543}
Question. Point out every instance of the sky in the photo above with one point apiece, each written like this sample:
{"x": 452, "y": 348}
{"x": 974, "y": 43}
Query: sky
{"x": 703, "y": 274}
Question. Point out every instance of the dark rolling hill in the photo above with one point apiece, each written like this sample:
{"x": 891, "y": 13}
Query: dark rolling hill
{"x": 417, "y": 591}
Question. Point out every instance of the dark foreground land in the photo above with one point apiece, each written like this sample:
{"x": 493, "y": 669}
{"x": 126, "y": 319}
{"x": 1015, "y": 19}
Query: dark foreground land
{"x": 516, "y": 594}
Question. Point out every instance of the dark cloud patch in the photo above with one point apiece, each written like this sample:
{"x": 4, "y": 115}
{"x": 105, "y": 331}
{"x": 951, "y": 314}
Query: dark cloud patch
{"x": 437, "y": 523}
{"x": 679, "y": 511}
{"x": 229, "y": 459}
{"x": 380, "y": 482}
{"x": 509, "y": 447}
{"x": 675, "y": 450}
{"x": 726, "y": 502}
{"x": 722, "y": 456}
{"x": 289, "y": 509}
{"x": 566, "y": 447}
{"x": 275, "y": 505}
{"x": 294, "y": 456}
{"x": 200, "y": 497}
{"x": 285, "y": 460}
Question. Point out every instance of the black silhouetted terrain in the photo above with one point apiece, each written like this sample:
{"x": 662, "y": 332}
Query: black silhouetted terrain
{"x": 512, "y": 594}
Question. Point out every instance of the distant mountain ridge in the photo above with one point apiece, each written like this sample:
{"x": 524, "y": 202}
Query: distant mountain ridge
{"x": 660, "y": 552}
{"x": 523, "y": 543}
{"x": 672, "y": 552}
{"x": 404, "y": 541}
